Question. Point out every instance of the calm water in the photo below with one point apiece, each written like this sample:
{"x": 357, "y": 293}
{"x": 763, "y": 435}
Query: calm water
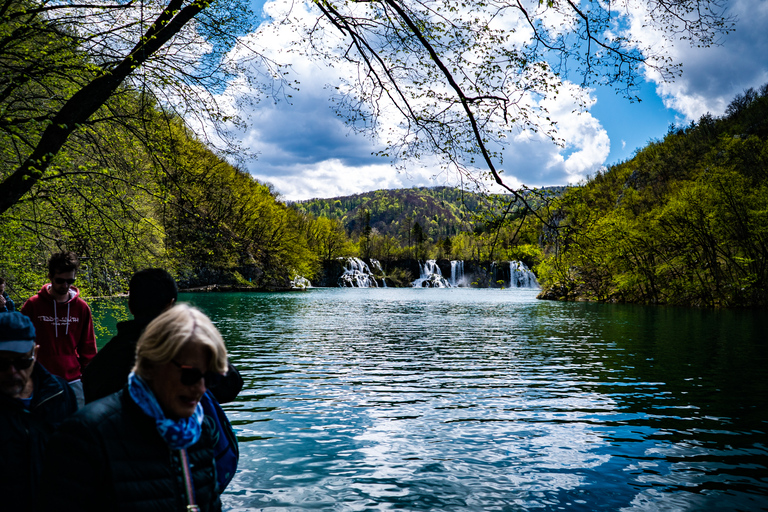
{"x": 467, "y": 399}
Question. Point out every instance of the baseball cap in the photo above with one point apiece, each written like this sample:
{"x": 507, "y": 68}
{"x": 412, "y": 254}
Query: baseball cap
{"x": 17, "y": 334}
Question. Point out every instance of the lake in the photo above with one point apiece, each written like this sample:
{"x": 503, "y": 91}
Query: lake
{"x": 488, "y": 399}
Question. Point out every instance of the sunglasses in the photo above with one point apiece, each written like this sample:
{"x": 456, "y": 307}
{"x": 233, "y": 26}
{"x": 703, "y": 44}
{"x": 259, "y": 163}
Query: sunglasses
{"x": 191, "y": 376}
{"x": 22, "y": 363}
{"x": 61, "y": 280}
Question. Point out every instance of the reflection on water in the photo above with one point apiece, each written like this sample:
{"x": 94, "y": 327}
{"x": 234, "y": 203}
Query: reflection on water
{"x": 465, "y": 399}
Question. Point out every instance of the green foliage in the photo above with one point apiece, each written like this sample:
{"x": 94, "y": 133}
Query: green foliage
{"x": 683, "y": 222}
{"x": 388, "y": 209}
{"x": 68, "y": 67}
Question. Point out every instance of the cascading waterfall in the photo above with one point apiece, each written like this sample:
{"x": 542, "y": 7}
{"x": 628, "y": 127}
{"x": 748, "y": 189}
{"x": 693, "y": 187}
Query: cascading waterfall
{"x": 520, "y": 276}
{"x": 377, "y": 265}
{"x": 431, "y": 276}
{"x": 357, "y": 274}
{"x": 457, "y": 273}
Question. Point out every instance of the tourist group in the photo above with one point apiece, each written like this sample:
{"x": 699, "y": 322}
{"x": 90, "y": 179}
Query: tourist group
{"x": 136, "y": 426}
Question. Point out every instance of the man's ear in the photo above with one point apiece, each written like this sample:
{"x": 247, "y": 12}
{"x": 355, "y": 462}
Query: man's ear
{"x": 169, "y": 305}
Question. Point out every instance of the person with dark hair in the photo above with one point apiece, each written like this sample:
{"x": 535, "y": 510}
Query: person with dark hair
{"x": 6, "y": 303}
{"x": 32, "y": 404}
{"x": 151, "y": 292}
{"x": 63, "y": 323}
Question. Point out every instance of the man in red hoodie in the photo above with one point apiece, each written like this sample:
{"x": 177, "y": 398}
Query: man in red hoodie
{"x": 63, "y": 323}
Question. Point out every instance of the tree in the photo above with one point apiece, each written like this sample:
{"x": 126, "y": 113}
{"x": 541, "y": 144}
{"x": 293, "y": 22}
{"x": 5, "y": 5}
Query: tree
{"x": 327, "y": 238}
{"x": 460, "y": 74}
{"x": 682, "y": 223}
{"x": 65, "y": 65}
{"x": 448, "y": 247}
{"x": 365, "y": 233}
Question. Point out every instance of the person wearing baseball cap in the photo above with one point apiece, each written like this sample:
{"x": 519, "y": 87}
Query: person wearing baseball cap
{"x": 33, "y": 402}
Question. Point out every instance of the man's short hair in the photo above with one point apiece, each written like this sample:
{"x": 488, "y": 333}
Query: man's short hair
{"x": 2, "y": 280}
{"x": 151, "y": 291}
{"x": 65, "y": 261}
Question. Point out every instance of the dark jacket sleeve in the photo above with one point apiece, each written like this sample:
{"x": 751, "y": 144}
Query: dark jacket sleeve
{"x": 230, "y": 387}
{"x": 60, "y": 409}
{"x": 107, "y": 373}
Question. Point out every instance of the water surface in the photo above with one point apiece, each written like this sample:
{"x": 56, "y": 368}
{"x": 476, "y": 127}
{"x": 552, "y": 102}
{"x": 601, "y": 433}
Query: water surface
{"x": 484, "y": 399}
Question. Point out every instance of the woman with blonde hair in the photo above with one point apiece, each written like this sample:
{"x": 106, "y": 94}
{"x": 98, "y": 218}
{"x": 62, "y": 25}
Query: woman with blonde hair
{"x": 150, "y": 446}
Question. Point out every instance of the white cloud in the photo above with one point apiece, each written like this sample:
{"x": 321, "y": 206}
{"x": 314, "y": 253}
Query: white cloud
{"x": 332, "y": 177}
{"x": 712, "y": 76}
{"x": 306, "y": 151}
{"x": 535, "y": 161}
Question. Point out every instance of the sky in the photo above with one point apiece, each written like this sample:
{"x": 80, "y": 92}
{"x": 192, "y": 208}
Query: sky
{"x": 305, "y": 151}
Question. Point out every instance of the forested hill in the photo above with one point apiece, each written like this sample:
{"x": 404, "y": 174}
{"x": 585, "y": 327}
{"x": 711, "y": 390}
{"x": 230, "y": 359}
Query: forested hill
{"x": 685, "y": 221}
{"x": 443, "y": 209}
{"x": 439, "y": 211}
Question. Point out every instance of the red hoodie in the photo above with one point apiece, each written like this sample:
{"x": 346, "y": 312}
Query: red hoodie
{"x": 64, "y": 331}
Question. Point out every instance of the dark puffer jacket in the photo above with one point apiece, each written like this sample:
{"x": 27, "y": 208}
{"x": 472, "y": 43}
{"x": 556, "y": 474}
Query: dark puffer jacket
{"x": 109, "y": 456}
{"x": 24, "y": 434}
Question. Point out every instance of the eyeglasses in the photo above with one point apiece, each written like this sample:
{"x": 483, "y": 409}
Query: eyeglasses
{"x": 191, "y": 376}
{"x": 21, "y": 363}
{"x": 61, "y": 280}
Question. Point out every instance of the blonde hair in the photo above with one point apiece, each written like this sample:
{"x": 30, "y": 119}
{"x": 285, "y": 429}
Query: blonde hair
{"x": 165, "y": 336}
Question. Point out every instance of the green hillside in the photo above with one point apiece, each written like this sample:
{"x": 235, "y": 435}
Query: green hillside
{"x": 440, "y": 211}
{"x": 685, "y": 221}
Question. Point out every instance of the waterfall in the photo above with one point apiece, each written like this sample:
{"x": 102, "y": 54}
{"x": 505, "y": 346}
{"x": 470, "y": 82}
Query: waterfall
{"x": 520, "y": 276}
{"x": 430, "y": 277}
{"x": 357, "y": 274}
{"x": 457, "y": 273}
{"x": 430, "y": 267}
{"x": 377, "y": 265}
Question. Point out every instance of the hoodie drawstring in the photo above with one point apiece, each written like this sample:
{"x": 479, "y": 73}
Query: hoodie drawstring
{"x": 56, "y": 316}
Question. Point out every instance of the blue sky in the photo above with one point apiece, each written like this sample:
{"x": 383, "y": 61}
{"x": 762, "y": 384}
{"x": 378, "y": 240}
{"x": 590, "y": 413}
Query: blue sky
{"x": 305, "y": 151}
{"x": 631, "y": 126}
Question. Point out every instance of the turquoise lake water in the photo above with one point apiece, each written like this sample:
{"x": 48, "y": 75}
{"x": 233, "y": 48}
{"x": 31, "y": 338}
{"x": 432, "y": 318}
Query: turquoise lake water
{"x": 488, "y": 399}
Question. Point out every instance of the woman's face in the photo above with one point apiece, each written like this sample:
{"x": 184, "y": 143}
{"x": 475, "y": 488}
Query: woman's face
{"x": 176, "y": 399}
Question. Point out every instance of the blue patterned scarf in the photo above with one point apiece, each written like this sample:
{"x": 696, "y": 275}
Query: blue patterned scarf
{"x": 178, "y": 434}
